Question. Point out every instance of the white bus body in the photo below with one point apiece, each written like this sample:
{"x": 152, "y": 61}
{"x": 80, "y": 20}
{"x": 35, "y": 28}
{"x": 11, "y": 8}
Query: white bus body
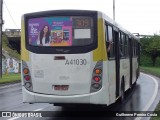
{"x": 60, "y": 74}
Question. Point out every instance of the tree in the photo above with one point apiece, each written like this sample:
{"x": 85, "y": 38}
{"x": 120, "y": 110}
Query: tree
{"x": 151, "y": 47}
{"x": 6, "y": 47}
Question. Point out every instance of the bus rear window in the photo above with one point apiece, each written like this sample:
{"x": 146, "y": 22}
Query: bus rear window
{"x": 60, "y": 31}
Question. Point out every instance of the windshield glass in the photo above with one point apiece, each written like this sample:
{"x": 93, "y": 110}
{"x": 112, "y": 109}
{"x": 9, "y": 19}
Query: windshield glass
{"x": 60, "y": 31}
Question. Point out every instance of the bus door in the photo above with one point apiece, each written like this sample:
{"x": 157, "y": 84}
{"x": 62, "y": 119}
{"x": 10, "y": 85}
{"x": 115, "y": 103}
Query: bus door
{"x": 130, "y": 59}
{"x": 117, "y": 60}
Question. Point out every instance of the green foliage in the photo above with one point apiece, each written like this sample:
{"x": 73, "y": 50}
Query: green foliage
{"x": 150, "y": 48}
{"x": 152, "y": 70}
{"x": 145, "y": 61}
{"x": 156, "y": 111}
{"x": 150, "y": 44}
{"x": 144, "y": 44}
{"x": 10, "y": 78}
{"x": 5, "y": 46}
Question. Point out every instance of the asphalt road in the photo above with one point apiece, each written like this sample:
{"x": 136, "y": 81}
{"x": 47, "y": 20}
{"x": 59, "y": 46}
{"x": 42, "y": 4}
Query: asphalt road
{"x": 143, "y": 97}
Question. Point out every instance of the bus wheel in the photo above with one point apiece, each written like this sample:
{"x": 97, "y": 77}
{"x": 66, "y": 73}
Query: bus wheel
{"x": 122, "y": 91}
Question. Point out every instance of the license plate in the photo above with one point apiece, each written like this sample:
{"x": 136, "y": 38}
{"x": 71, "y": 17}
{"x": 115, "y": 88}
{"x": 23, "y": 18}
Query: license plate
{"x": 60, "y": 87}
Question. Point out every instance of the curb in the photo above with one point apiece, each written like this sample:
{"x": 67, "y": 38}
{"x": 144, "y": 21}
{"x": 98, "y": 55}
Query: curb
{"x": 9, "y": 83}
{"x": 150, "y": 73}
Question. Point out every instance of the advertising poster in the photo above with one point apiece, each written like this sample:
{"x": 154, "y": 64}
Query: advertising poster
{"x": 50, "y": 31}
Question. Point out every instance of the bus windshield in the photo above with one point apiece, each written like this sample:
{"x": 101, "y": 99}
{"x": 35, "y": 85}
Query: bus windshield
{"x": 60, "y": 31}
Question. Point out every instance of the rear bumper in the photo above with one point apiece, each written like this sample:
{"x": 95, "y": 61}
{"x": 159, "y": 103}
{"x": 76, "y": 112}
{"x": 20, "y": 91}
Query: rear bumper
{"x": 100, "y": 97}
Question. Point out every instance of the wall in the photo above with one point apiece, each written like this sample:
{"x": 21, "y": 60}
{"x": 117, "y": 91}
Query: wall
{"x": 10, "y": 65}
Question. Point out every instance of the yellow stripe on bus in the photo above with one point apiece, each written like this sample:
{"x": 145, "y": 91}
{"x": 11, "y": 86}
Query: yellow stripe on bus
{"x": 100, "y": 52}
{"x": 24, "y": 51}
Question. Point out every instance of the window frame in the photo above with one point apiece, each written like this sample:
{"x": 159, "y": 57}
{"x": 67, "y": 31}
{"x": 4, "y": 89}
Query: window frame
{"x": 121, "y": 45}
{"x": 112, "y": 56}
{"x": 62, "y": 49}
{"x": 126, "y": 46}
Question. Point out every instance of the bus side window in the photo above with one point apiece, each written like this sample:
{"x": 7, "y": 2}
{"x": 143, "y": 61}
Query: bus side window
{"x": 122, "y": 46}
{"x": 110, "y": 42}
{"x": 133, "y": 47}
{"x": 126, "y": 47}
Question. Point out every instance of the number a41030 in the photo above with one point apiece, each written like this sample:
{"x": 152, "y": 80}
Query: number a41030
{"x": 76, "y": 62}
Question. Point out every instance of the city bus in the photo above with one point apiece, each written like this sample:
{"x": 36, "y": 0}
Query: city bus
{"x": 76, "y": 57}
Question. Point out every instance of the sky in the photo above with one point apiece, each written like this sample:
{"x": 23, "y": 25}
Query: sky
{"x": 136, "y": 16}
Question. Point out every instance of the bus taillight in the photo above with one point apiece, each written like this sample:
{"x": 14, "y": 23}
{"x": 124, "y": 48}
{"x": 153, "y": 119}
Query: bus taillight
{"x": 96, "y": 78}
{"x": 98, "y": 71}
{"x": 25, "y": 71}
{"x": 27, "y": 77}
{"x": 96, "y": 86}
{"x": 28, "y": 84}
{"x": 96, "y": 82}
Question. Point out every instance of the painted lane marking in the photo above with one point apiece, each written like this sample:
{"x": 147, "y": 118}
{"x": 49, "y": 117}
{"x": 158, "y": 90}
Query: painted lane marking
{"x": 38, "y": 109}
{"x": 144, "y": 109}
{"x": 14, "y": 118}
{"x": 7, "y": 86}
{"x": 153, "y": 96}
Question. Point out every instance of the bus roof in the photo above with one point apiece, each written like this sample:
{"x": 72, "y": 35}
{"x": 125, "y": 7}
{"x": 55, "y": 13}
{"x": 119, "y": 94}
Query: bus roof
{"x": 115, "y": 24}
{"x": 100, "y": 14}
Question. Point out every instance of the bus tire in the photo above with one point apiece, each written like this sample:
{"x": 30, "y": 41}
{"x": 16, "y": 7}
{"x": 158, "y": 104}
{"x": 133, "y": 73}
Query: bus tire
{"x": 134, "y": 84}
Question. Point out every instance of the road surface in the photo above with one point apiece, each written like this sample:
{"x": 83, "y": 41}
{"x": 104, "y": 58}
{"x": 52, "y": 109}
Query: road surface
{"x": 143, "y": 97}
